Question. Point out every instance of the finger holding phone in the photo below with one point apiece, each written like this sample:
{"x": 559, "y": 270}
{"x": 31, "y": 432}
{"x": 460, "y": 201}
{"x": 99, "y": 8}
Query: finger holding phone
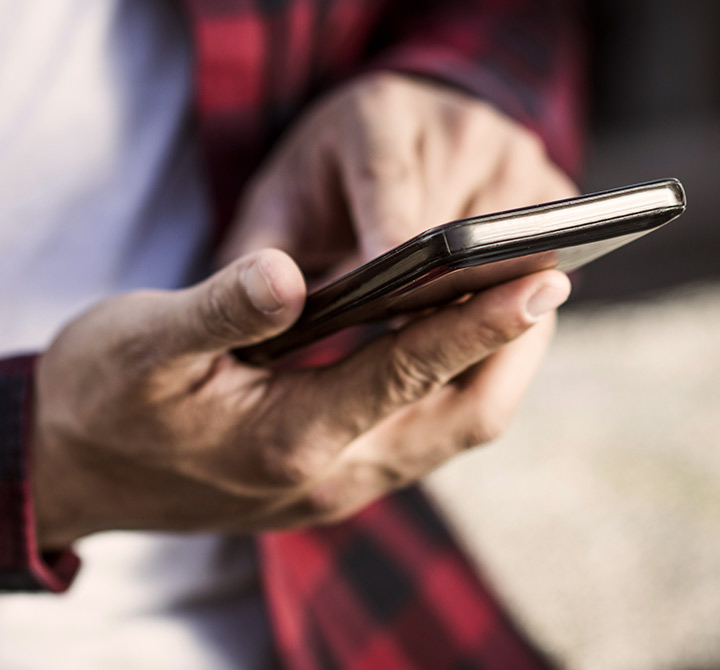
{"x": 144, "y": 421}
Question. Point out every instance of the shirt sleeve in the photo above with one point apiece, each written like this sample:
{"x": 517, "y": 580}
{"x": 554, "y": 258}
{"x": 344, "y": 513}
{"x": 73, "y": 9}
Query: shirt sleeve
{"x": 22, "y": 566}
{"x": 526, "y": 57}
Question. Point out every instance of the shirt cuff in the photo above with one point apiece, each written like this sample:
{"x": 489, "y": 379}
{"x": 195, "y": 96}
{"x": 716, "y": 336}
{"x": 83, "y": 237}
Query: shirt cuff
{"x": 22, "y": 566}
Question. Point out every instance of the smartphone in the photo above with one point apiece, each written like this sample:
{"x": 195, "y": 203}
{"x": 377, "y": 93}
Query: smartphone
{"x": 467, "y": 256}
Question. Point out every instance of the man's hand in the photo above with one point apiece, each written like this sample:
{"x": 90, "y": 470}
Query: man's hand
{"x": 382, "y": 160}
{"x": 144, "y": 421}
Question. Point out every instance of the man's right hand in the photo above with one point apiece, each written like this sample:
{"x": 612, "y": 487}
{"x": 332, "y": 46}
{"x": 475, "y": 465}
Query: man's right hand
{"x": 144, "y": 420}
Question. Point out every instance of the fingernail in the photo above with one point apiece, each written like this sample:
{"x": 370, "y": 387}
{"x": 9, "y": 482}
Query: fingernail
{"x": 546, "y": 299}
{"x": 260, "y": 290}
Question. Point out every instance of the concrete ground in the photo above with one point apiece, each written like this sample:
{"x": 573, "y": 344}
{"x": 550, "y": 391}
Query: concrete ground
{"x": 598, "y": 515}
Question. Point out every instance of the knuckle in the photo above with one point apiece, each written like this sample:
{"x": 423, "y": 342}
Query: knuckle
{"x": 493, "y": 421}
{"x": 217, "y": 315}
{"x": 482, "y": 430}
{"x": 324, "y": 504}
{"x": 472, "y": 120}
{"x": 377, "y": 167}
{"x": 333, "y": 504}
{"x": 559, "y": 185}
{"x": 409, "y": 376}
{"x": 283, "y": 474}
{"x": 295, "y": 467}
{"x": 528, "y": 147}
{"x": 493, "y": 334}
{"x": 138, "y": 353}
{"x": 380, "y": 93}
{"x": 283, "y": 471}
{"x": 383, "y": 88}
{"x": 484, "y": 423}
{"x": 138, "y": 349}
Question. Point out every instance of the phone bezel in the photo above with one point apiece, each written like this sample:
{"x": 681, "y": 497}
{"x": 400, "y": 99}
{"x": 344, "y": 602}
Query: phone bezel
{"x": 370, "y": 291}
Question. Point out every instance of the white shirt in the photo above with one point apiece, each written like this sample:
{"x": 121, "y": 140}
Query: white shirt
{"x": 100, "y": 192}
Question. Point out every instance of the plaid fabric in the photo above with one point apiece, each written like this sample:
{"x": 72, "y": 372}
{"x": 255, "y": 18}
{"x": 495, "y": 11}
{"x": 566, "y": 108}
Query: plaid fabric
{"x": 389, "y": 588}
{"x": 21, "y": 565}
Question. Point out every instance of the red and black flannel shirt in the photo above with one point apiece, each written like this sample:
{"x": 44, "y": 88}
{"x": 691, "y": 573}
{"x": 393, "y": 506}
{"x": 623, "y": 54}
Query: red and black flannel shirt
{"x": 389, "y": 588}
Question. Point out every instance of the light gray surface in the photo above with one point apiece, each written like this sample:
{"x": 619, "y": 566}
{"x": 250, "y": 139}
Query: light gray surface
{"x": 598, "y": 514}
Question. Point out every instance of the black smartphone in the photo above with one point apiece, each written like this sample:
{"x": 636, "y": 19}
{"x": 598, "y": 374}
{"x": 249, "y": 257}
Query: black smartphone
{"x": 467, "y": 256}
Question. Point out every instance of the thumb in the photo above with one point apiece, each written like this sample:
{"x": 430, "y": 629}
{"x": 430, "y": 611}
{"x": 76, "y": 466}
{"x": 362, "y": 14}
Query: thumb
{"x": 253, "y": 298}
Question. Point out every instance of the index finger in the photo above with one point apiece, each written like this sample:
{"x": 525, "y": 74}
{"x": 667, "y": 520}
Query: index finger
{"x": 380, "y": 169}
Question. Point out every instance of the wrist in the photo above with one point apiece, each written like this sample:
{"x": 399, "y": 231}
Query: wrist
{"x": 61, "y": 484}
{"x": 55, "y": 486}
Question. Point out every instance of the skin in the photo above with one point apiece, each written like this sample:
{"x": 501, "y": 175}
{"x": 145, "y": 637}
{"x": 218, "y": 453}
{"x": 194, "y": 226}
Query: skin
{"x": 382, "y": 160}
{"x": 144, "y": 421}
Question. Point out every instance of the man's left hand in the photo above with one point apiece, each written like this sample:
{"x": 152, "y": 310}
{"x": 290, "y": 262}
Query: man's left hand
{"x": 381, "y": 160}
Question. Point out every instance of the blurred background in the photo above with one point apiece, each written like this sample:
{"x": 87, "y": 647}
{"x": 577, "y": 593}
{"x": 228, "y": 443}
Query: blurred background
{"x": 597, "y": 517}
{"x": 655, "y": 112}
